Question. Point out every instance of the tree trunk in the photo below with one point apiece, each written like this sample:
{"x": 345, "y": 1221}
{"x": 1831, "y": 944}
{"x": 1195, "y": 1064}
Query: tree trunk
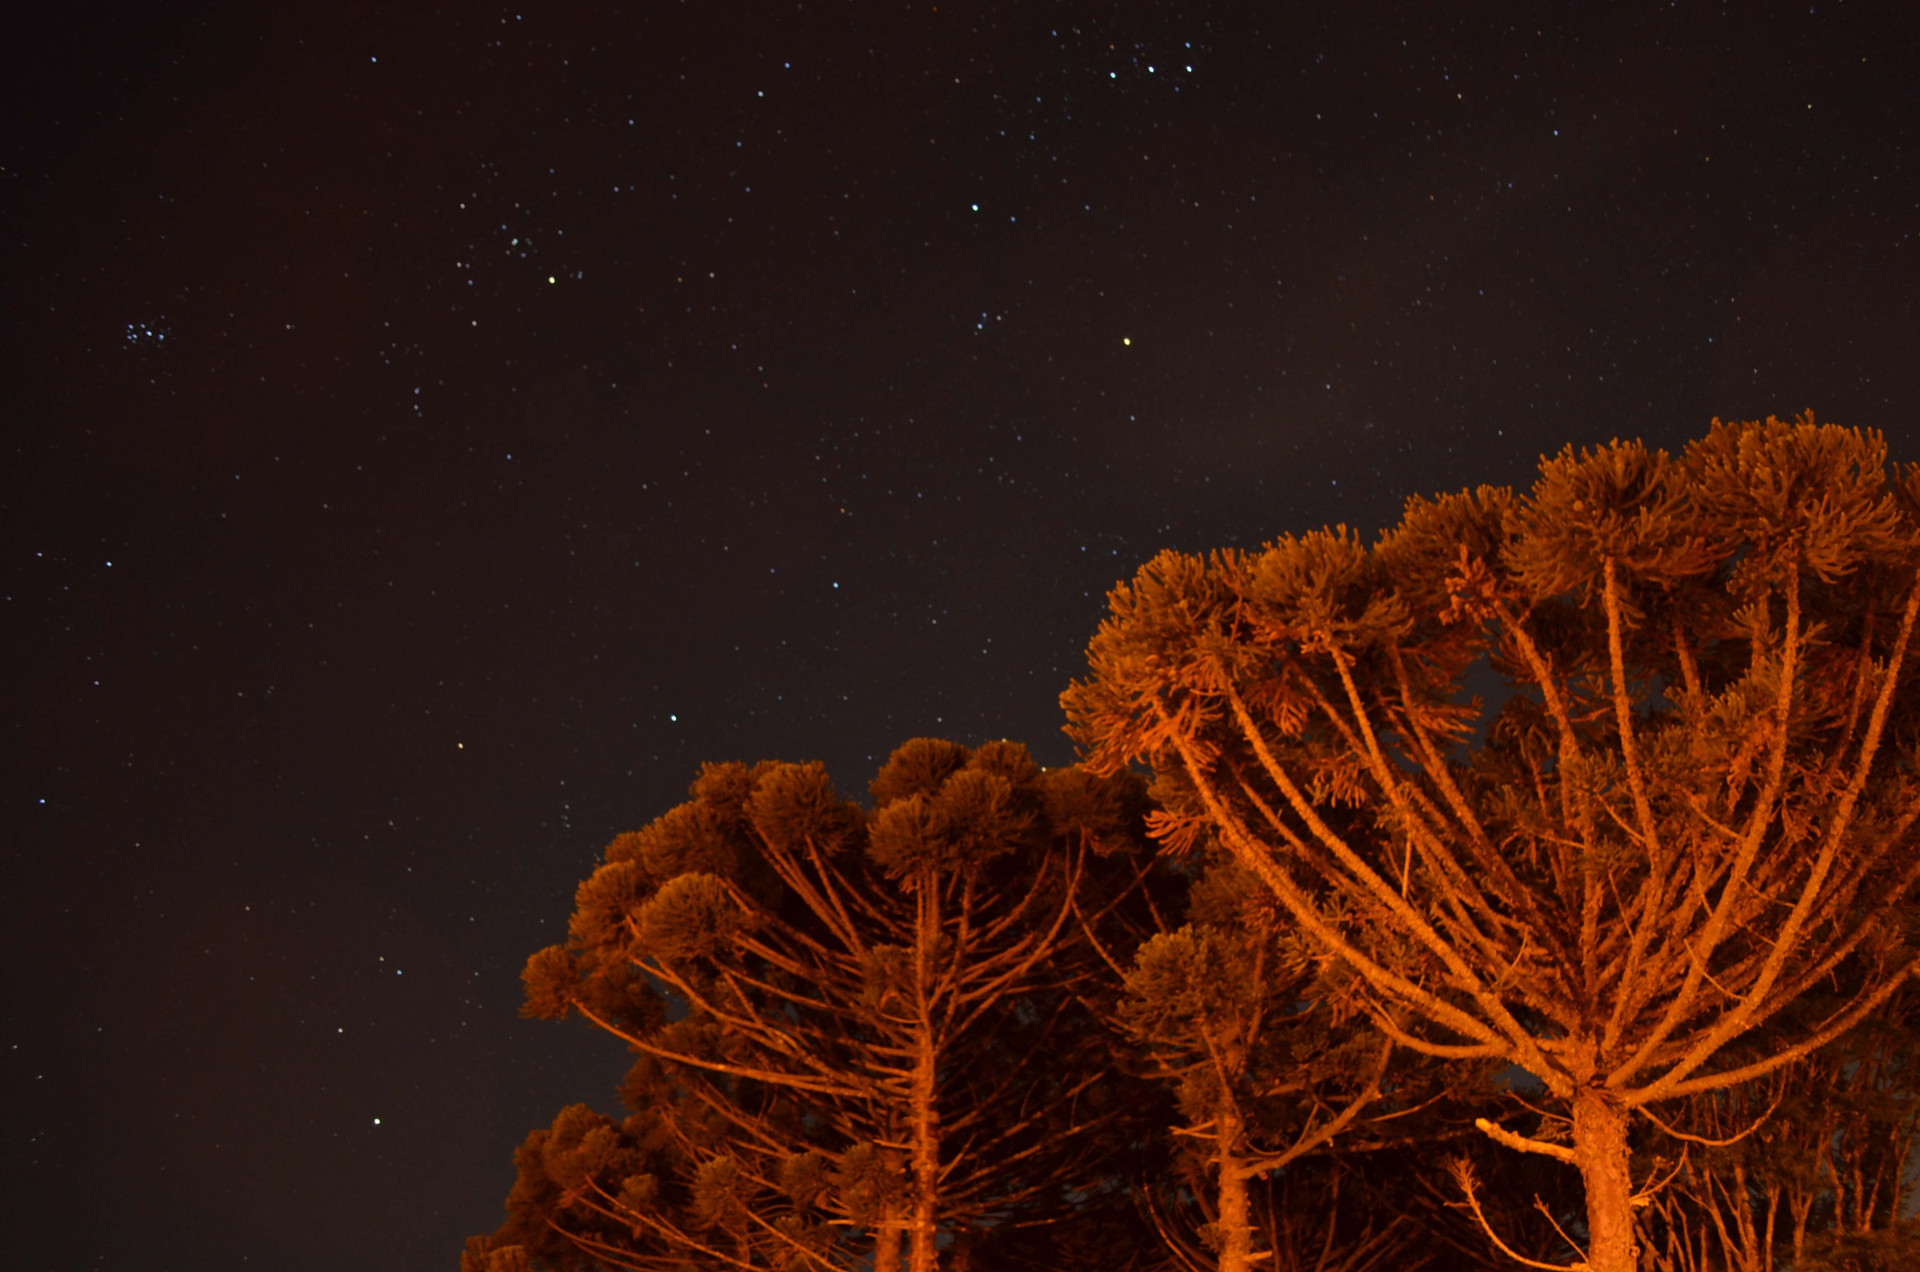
{"x": 886, "y": 1246}
{"x": 926, "y": 1165}
{"x": 1800, "y": 1204}
{"x": 1773, "y": 1214}
{"x": 921, "y": 1253}
{"x": 1233, "y": 1226}
{"x": 1600, "y": 1151}
{"x": 1751, "y": 1259}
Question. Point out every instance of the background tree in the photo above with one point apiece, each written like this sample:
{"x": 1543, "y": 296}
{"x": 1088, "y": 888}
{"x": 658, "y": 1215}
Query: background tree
{"x": 1697, "y": 804}
{"x": 877, "y": 1027}
{"x": 1242, "y": 1022}
{"x": 580, "y": 1190}
{"x": 1821, "y": 1151}
{"x": 1892, "y": 1249}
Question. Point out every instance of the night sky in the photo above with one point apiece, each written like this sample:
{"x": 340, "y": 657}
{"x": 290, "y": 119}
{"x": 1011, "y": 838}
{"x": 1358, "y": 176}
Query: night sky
{"x": 430, "y": 433}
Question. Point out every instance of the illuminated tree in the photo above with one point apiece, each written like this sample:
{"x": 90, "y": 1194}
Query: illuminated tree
{"x": 875, "y": 1022}
{"x": 1240, "y": 1020}
{"x": 556, "y": 1219}
{"x": 1697, "y": 803}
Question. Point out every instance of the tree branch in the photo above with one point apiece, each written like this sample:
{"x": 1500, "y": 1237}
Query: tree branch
{"x": 1520, "y": 1143}
{"x": 1462, "y": 1172}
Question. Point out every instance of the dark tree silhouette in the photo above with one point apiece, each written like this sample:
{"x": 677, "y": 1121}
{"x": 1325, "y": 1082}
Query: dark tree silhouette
{"x": 876, "y": 1046}
{"x": 1819, "y": 1154}
{"x": 1697, "y": 804}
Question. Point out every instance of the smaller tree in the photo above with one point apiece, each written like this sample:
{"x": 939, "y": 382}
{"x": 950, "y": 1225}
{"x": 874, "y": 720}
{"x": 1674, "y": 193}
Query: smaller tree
{"x": 877, "y": 1024}
{"x": 1891, "y": 1249}
{"x": 591, "y": 1193}
{"x": 1235, "y": 1012}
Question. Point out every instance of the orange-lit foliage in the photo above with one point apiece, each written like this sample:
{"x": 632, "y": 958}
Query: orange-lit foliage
{"x": 1695, "y": 807}
{"x": 1234, "y": 1011}
{"x": 859, "y": 1036}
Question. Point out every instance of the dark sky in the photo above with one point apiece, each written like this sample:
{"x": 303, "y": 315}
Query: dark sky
{"x": 430, "y": 433}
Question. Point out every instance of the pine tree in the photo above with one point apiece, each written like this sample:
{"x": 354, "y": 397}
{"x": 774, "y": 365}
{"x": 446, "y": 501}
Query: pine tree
{"x": 1697, "y": 803}
{"x": 845, "y": 1022}
{"x": 1269, "y": 1071}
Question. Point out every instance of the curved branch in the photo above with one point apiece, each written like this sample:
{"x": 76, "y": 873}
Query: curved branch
{"x": 1419, "y": 828}
{"x": 1462, "y": 1172}
{"x": 1520, "y": 1143}
{"x": 1837, "y": 1025}
{"x": 1720, "y": 919}
{"x": 1654, "y": 890}
{"x": 1646, "y": 1195}
{"x": 796, "y": 1081}
{"x": 1717, "y": 1143}
{"x": 1546, "y": 1214}
{"x": 1442, "y": 1050}
{"x": 1623, "y": 709}
{"x": 1307, "y": 1143}
{"x": 1252, "y": 853}
{"x": 1500, "y": 1020}
{"x": 1486, "y": 854}
{"x": 1785, "y": 946}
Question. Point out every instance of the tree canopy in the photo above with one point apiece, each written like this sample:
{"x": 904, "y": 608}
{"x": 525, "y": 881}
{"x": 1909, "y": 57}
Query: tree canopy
{"x": 859, "y": 1035}
{"x": 1565, "y": 828}
{"x": 1694, "y": 806}
{"x": 1233, "y": 1011}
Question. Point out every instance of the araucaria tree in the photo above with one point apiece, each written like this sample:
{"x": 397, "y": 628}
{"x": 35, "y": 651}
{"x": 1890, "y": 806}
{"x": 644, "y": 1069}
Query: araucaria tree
{"x": 859, "y": 1036}
{"x": 1696, "y": 806}
{"x": 1236, "y": 1016}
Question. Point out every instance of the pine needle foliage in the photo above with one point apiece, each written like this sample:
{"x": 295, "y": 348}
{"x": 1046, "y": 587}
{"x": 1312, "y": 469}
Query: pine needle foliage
{"x": 859, "y": 1035}
{"x": 1695, "y": 805}
{"x": 1273, "y": 1074}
